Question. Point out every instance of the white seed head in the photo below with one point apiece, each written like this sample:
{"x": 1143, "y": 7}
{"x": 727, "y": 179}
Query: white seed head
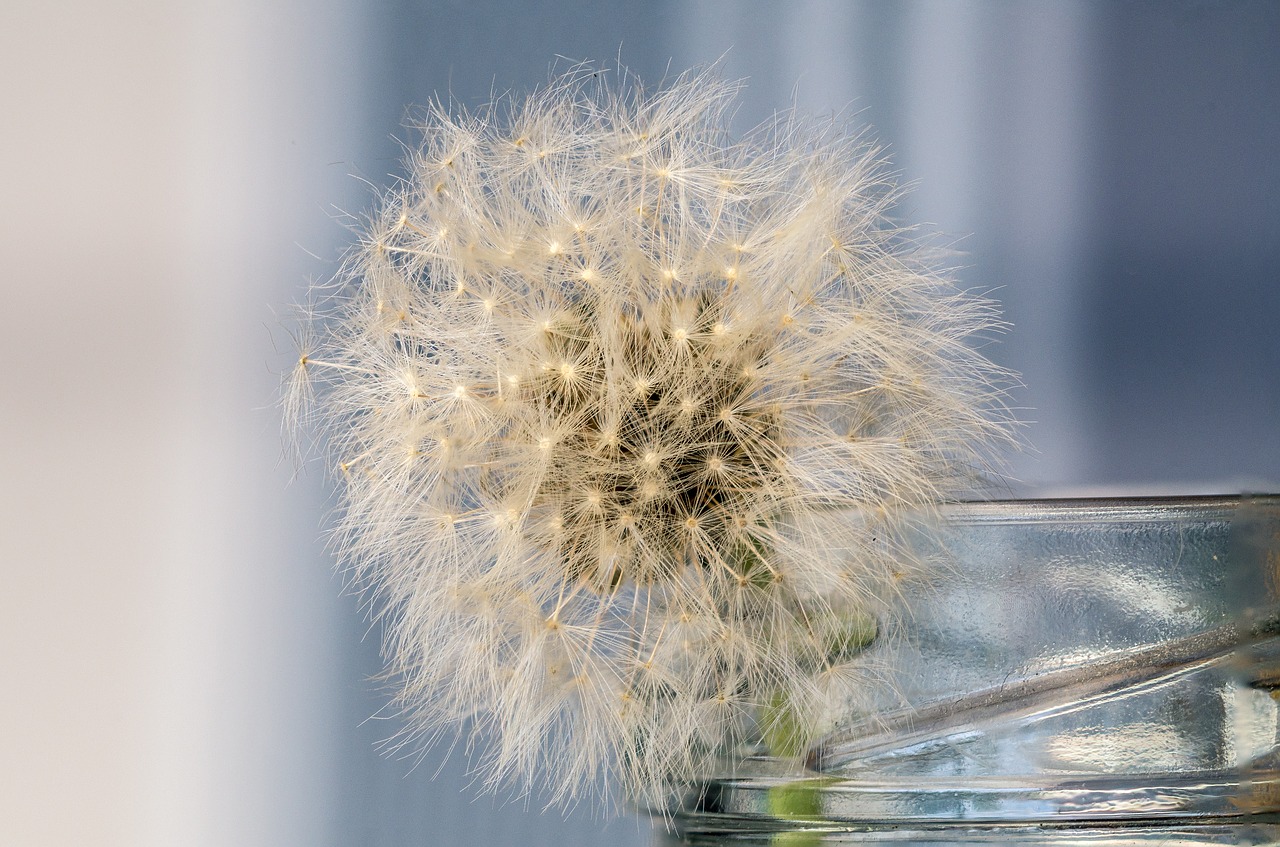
{"x": 630, "y": 491}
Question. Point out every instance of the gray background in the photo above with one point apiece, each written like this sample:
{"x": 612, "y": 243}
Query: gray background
{"x": 180, "y": 663}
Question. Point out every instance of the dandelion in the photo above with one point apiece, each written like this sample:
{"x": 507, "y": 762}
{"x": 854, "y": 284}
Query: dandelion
{"x": 631, "y": 420}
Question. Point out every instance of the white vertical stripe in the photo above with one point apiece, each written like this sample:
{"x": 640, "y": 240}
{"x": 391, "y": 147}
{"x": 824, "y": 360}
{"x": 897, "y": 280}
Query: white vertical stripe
{"x": 940, "y": 143}
{"x": 167, "y": 643}
{"x": 816, "y": 54}
{"x": 995, "y": 134}
{"x": 1043, "y": 216}
{"x": 274, "y": 110}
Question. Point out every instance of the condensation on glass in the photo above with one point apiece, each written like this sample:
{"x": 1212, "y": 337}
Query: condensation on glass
{"x": 1092, "y": 672}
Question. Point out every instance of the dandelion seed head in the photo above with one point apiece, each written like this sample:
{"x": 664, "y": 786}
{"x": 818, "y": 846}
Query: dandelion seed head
{"x": 609, "y": 475}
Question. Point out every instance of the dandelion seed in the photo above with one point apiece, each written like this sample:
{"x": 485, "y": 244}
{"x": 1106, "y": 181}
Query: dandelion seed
{"x": 616, "y": 474}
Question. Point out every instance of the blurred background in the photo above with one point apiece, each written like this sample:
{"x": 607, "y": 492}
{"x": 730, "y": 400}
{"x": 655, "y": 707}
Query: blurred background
{"x": 179, "y": 662}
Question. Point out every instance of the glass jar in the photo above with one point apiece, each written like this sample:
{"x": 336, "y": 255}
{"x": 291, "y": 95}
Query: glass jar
{"x": 1082, "y": 672}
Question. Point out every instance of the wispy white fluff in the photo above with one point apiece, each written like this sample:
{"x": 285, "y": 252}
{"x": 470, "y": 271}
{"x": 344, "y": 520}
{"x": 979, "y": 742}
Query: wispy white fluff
{"x": 630, "y": 418}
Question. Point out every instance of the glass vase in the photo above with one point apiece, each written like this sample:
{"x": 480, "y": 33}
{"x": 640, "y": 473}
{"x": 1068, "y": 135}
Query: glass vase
{"x": 1079, "y": 672}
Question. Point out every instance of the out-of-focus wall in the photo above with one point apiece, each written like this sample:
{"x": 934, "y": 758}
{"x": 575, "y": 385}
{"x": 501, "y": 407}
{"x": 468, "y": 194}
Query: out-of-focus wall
{"x": 172, "y": 637}
{"x": 179, "y": 665}
{"x": 94, "y": 380}
{"x": 1104, "y": 169}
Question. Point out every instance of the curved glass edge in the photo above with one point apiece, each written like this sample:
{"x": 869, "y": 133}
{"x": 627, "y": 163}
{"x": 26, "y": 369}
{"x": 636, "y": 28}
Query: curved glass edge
{"x": 1111, "y": 509}
{"x": 1255, "y": 833}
